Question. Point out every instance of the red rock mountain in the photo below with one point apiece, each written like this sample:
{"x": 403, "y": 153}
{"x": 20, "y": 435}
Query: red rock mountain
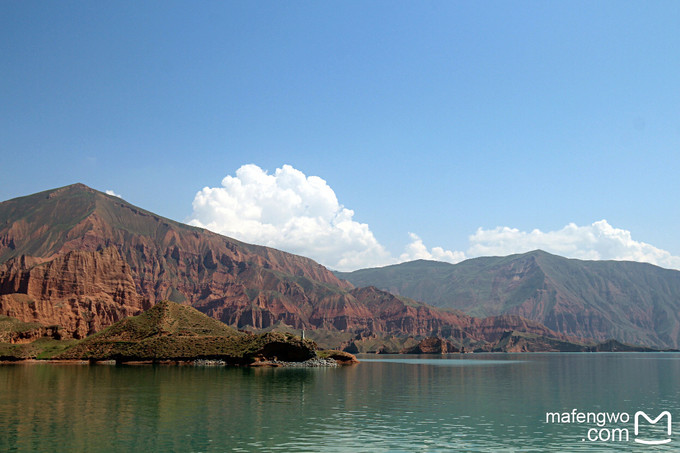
{"x": 81, "y": 259}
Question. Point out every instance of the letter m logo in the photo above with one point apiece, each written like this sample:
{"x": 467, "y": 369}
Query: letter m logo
{"x": 639, "y": 414}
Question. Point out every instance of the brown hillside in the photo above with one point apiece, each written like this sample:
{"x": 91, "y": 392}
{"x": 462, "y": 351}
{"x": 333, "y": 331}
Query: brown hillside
{"x": 82, "y": 260}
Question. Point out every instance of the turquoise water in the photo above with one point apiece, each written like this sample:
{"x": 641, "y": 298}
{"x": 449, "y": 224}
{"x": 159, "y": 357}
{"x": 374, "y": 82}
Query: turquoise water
{"x": 474, "y": 402}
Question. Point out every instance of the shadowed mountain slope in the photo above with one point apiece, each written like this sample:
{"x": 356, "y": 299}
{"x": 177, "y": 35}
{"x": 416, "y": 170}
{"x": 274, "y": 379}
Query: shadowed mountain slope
{"x": 632, "y": 302}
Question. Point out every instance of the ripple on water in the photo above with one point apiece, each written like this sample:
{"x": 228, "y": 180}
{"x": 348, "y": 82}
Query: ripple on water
{"x": 380, "y": 405}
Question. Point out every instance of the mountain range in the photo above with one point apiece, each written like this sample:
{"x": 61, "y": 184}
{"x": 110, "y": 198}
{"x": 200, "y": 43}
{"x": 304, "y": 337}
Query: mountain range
{"x": 77, "y": 260}
{"x": 632, "y": 302}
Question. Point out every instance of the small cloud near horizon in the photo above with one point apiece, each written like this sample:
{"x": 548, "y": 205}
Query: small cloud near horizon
{"x": 598, "y": 241}
{"x": 112, "y": 193}
{"x": 417, "y": 250}
{"x": 301, "y": 214}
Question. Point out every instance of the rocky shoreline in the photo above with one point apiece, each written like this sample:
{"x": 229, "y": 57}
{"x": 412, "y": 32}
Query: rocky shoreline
{"x": 315, "y": 362}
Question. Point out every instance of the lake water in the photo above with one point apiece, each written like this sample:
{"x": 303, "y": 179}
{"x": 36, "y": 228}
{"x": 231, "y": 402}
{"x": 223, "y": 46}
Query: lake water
{"x": 473, "y": 402}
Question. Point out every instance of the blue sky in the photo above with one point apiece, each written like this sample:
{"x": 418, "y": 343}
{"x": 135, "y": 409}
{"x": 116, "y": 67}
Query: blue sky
{"x": 431, "y": 118}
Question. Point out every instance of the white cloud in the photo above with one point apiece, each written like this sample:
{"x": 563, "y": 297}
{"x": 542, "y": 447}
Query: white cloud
{"x": 416, "y": 250}
{"x": 599, "y": 241}
{"x": 301, "y": 214}
{"x": 112, "y": 193}
{"x": 289, "y": 211}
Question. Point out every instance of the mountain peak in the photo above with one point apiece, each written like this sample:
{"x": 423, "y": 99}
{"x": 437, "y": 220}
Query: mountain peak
{"x": 165, "y": 259}
{"x": 71, "y": 188}
{"x": 79, "y": 186}
{"x": 634, "y": 302}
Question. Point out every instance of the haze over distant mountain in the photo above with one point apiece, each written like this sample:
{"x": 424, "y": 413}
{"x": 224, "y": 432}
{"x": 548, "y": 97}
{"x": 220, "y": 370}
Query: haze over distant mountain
{"x": 82, "y": 260}
{"x": 632, "y": 302}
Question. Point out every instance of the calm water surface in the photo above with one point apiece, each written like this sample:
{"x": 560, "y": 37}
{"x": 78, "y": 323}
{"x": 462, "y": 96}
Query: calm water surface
{"x": 480, "y": 402}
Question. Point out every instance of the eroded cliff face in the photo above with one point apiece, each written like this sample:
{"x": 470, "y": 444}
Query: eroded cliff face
{"x": 80, "y": 291}
{"x": 431, "y": 345}
{"x": 633, "y": 302}
{"x": 14, "y": 331}
{"x": 80, "y": 259}
{"x": 171, "y": 261}
{"x": 493, "y": 328}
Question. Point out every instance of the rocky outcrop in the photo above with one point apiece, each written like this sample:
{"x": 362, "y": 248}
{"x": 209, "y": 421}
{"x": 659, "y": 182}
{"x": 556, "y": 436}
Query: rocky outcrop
{"x": 340, "y": 357}
{"x": 492, "y": 328}
{"x": 169, "y": 332}
{"x": 432, "y": 345}
{"x": 286, "y": 349}
{"x": 80, "y": 291}
{"x": 14, "y": 331}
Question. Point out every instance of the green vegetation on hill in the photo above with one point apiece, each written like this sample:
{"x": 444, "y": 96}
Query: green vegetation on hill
{"x": 42, "y": 348}
{"x": 165, "y": 319}
{"x": 16, "y": 334}
{"x": 12, "y": 327}
{"x": 169, "y": 331}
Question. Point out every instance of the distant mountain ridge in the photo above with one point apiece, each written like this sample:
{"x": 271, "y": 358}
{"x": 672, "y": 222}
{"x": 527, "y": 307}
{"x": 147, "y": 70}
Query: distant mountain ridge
{"x": 80, "y": 260}
{"x": 631, "y": 302}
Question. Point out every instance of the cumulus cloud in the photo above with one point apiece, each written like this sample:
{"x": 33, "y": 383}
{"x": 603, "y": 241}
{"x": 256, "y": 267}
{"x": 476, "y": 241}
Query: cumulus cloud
{"x": 289, "y": 211}
{"x": 112, "y": 193}
{"x": 416, "y": 250}
{"x": 598, "y": 241}
{"x": 301, "y": 214}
